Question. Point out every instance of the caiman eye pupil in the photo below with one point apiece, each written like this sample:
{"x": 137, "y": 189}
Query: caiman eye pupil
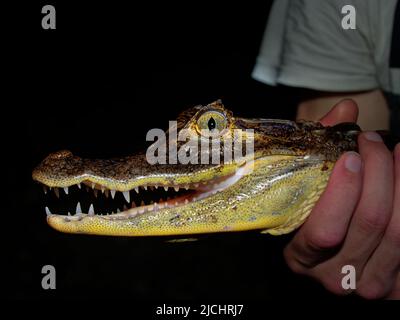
{"x": 211, "y": 124}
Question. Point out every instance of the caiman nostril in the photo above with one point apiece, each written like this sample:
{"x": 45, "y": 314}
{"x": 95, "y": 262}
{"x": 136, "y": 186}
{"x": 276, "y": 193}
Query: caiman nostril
{"x": 63, "y": 154}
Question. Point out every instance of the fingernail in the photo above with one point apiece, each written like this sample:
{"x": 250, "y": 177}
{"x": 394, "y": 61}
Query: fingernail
{"x": 353, "y": 162}
{"x": 372, "y": 136}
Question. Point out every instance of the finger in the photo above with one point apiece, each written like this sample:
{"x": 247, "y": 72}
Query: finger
{"x": 395, "y": 293}
{"x": 374, "y": 208}
{"x": 344, "y": 111}
{"x": 327, "y": 224}
{"x": 383, "y": 267}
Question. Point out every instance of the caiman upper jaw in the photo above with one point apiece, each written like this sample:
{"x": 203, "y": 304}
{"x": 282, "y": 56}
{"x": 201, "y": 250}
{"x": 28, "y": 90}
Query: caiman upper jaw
{"x": 63, "y": 169}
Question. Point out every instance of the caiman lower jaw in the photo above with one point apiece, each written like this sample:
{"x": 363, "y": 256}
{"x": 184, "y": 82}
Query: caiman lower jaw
{"x": 136, "y": 201}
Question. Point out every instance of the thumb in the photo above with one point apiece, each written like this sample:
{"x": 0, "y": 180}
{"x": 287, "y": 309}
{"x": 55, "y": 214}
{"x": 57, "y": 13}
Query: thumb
{"x": 344, "y": 111}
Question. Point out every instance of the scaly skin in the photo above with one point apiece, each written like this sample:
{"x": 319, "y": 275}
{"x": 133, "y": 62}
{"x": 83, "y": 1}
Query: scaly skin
{"x": 274, "y": 191}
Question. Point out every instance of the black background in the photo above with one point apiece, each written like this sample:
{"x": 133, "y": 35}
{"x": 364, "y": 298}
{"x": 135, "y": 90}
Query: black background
{"x": 95, "y": 85}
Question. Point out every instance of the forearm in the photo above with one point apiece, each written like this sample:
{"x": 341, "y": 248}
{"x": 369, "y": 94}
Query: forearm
{"x": 373, "y": 108}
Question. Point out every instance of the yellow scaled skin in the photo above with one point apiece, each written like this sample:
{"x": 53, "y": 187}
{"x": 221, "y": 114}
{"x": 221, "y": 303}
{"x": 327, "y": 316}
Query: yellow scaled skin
{"x": 273, "y": 188}
{"x": 276, "y": 196}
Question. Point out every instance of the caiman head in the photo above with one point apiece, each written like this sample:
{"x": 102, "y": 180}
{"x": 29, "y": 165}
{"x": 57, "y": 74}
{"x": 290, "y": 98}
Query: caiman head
{"x": 271, "y": 185}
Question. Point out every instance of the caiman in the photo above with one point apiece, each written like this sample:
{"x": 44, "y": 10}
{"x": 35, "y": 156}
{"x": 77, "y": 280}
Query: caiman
{"x": 273, "y": 191}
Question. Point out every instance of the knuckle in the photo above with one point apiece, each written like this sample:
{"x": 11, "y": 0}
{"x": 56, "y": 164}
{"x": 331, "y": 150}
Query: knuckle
{"x": 393, "y": 235}
{"x": 321, "y": 240}
{"x": 373, "y": 289}
{"x": 334, "y": 285}
{"x": 380, "y": 154}
{"x": 373, "y": 220}
{"x": 294, "y": 264}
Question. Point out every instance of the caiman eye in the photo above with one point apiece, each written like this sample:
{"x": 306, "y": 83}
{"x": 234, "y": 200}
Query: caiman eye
{"x": 211, "y": 123}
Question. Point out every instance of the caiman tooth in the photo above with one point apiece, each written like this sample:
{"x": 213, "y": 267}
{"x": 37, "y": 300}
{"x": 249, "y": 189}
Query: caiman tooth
{"x": 176, "y": 188}
{"x": 78, "y": 209}
{"x": 156, "y": 187}
{"x": 145, "y": 188}
{"x": 57, "y": 192}
{"x": 95, "y": 192}
{"x": 196, "y": 185}
{"x": 186, "y": 187}
{"x": 142, "y": 204}
{"x": 186, "y": 201}
{"x": 102, "y": 189}
{"x": 79, "y": 186}
{"x": 137, "y": 190}
{"x": 91, "y": 210}
{"x": 126, "y": 196}
{"x": 166, "y": 188}
{"x": 44, "y": 189}
{"x": 66, "y": 190}
{"x": 133, "y": 205}
{"x": 118, "y": 211}
{"x": 69, "y": 213}
{"x": 48, "y": 212}
{"x": 93, "y": 184}
{"x": 112, "y": 194}
{"x": 124, "y": 208}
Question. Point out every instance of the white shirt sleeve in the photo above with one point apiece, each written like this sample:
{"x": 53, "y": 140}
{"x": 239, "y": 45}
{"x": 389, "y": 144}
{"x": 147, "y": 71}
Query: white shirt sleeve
{"x": 305, "y": 46}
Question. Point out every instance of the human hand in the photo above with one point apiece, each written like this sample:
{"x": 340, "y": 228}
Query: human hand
{"x": 356, "y": 221}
